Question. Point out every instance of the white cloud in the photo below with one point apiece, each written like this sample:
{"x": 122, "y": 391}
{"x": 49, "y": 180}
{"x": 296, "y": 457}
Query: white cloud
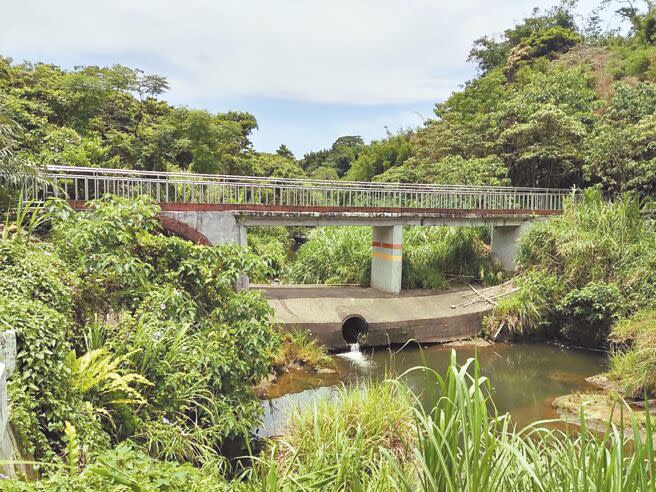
{"x": 324, "y": 51}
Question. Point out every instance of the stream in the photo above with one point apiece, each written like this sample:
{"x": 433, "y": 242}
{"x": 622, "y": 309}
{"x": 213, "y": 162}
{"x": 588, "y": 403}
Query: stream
{"x": 525, "y": 377}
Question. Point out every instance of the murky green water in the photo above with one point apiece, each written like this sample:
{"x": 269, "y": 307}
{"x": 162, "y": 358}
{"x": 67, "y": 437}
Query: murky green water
{"x": 525, "y": 377}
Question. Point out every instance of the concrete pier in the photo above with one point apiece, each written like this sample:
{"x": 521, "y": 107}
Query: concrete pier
{"x": 505, "y": 242}
{"x": 386, "y": 256}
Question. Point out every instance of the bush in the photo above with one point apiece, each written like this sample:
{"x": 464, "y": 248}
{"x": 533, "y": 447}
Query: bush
{"x": 273, "y": 245}
{"x": 601, "y": 257}
{"x": 633, "y": 363}
{"x": 126, "y": 333}
{"x": 589, "y": 312}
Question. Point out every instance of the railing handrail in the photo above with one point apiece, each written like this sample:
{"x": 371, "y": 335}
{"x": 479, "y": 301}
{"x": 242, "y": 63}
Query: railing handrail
{"x": 198, "y": 178}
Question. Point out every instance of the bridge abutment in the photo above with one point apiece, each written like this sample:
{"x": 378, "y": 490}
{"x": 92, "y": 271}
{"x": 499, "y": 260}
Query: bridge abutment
{"x": 386, "y": 258}
{"x": 505, "y": 244}
{"x": 215, "y": 227}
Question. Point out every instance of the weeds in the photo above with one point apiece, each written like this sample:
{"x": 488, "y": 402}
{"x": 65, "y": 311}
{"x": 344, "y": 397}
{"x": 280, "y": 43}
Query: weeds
{"x": 432, "y": 257}
{"x": 300, "y": 348}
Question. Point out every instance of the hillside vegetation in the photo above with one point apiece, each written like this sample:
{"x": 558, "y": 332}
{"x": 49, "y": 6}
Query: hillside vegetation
{"x": 557, "y": 102}
{"x": 137, "y": 354}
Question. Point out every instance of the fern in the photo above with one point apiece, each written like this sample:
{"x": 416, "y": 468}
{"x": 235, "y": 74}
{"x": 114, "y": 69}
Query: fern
{"x": 98, "y": 373}
{"x": 72, "y": 448}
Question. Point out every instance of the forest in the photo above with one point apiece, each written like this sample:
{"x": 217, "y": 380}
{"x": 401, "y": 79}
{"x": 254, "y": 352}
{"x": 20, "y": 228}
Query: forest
{"x": 137, "y": 356}
{"x": 557, "y": 103}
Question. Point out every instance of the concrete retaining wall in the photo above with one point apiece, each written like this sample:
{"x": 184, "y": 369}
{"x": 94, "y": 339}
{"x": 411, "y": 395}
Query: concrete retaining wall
{"x": 427, "y": 317}
{"x": 7, "y": 366}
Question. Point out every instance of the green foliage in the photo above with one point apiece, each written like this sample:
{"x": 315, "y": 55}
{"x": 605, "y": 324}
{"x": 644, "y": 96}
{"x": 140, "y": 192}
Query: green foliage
{"x": 344, "y": 151}
{"x": 112, "y": 117}
{"x": 488, "y": 171}
{"x": 274, "y": 165}
{"x": 600, "y": 256}
{"x": 548, "y": 42}
{"x": 379, "y": 156}
{"x": 125, "y": 469}
{"x": 458, "y": 442}
{"x": 431, "y": 257}
{"x": 98, "y": 375}
{"x": 541, "y": 34}
{"x": 334, "y": 255}
{"x": 126, "y": 333}
{"x": 342, "y": 444}
{"x": 592, "y": 310}
{"x": 273, "y": 246}
{"x": 632, "y": 364}
{"x": 299, "y": 348}
{"x": 15, "y": 172}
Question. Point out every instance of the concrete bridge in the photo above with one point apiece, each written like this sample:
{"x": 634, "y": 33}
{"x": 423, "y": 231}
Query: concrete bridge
{"x": 215, "y": 209}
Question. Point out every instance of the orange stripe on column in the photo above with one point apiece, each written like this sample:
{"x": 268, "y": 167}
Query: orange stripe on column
{"x": 385, "y": 256}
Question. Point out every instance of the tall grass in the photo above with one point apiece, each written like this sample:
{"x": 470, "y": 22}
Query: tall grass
{"x": 432, "y": 256}
{"x": 380, "y": 438}
{"x": 352, "y": 442}
{"x": 633, "y": 363}
{"x": 334, "y": 255}
{"x": 299, "y": 347}
{"x": 582, "y": 270}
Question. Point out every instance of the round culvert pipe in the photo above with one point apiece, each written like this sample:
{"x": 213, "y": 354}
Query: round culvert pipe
{"x": 354, "y": 328}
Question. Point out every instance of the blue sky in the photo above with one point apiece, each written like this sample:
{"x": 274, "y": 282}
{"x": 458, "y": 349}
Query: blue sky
{"x": 309, "y": 70}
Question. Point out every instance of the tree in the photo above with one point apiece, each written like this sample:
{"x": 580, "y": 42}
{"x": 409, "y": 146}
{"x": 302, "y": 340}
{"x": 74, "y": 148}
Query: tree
{"x": 380, "y": 156}
{"x": 13, "y": 171}
{"x": 283, "y": 151}
{"x": 453, "y": 170}
{"x": 543, "y": 149}
{"x": 489, "y": 53}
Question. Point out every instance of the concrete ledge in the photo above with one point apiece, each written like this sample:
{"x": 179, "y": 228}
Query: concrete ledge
{"x": 424, "y": 316}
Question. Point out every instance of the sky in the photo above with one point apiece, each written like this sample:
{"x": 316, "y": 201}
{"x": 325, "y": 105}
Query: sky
{"x": 309, "y": 70}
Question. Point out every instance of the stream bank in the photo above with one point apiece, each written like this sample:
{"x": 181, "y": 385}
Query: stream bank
{"x": 525, "y": 378}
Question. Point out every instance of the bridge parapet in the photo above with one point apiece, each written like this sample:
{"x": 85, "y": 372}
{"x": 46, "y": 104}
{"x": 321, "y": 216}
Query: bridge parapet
{"x": 271, "y": 194}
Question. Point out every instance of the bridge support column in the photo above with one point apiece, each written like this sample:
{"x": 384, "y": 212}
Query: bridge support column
{"x": 216, "y": 227}
{"x": 505, "y": 241}
{"x": 386, "y": 254}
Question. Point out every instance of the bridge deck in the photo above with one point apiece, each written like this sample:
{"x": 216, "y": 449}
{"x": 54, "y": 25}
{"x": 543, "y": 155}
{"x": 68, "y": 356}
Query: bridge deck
{"x": 250, "y": 195}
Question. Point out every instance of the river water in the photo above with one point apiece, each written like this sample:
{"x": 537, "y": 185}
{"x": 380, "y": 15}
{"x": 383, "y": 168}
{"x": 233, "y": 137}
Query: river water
{"x": 525, "y": 377}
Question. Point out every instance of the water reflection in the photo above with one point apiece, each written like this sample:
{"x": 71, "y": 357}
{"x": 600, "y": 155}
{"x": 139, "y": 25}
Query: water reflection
{"x": 525, "y": 377}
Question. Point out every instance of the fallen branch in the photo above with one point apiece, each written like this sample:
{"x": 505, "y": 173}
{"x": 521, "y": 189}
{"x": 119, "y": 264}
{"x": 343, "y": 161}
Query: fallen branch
{"x": 482, "y": 296}
{"x": 496, "y": 335}
{"x": 497, "y": 296}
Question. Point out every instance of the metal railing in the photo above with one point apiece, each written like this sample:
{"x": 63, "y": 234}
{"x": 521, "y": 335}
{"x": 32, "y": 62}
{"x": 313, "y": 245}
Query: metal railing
{"x": 83, "y": 184}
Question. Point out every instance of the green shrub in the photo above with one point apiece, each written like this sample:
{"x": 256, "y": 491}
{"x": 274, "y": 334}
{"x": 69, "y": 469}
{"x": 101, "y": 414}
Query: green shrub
{"x": 41, "y": 391}
{"x": 602, "y": 257}
{"x": 633, "y": 362}
{"x": 273, "y": 246}
{"x": 126, "y": 333}
{"x": 125, "y": 468}
{"x": 589, "y": 312}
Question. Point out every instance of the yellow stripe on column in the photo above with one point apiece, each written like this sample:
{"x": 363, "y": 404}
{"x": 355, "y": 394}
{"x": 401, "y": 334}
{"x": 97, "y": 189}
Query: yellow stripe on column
{"x": 385, "y": 256}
